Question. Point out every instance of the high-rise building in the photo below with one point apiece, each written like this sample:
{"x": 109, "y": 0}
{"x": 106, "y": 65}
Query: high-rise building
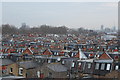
{"x": 24, "y": 26}
{"x": 114, "y": 28}
{"x": 102, "y": 27}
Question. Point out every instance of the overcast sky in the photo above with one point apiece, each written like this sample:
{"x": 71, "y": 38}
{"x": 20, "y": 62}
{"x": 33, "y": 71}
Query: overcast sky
{"x": 71, "y": 14}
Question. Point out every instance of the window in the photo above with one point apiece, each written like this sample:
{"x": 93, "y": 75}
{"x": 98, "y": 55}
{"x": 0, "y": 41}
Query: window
{"x": 58, "y": 59}
{"x": 5, "y": 56}
{"x": 98, "y": 56}
{"x": 116, "y": 57}
{"x": 79, "y": 64}
{"x": 89, "y": 65}
{"x": 2, "y": 57}
{"x": 54, "y": 53}
{"x": 97, "y": 66}
{"x": 49, "y": 61}
{"x": 57, "y": 53}
{"x": 11, "y": 70}
{"x": 72, "y": 54}
{"x": 38, "y": 74}
{"x": 63, "y": 62}
{"x": 102, "y": 66}
{"x": 11, "y": 57}
{"x": 20, "y": 71}
{"x": 50, "y": 74}
{"x": 116, "y": 67}
{"x": 17, "y": 59}
{"x": 73, "y": 64}
{"x": 39, "y": 61}
{"x": 108, "y": 67}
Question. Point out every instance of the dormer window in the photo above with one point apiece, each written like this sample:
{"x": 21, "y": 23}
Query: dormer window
{"x": 98, "y": 55}
{"x": 116, "y": 57}
{"x": 98, "y": 47}
{"x": 55, "y": 53}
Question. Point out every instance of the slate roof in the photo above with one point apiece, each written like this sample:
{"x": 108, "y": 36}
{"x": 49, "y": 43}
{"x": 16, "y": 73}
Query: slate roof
{"x": 104, "y": 61}
{"x": 57, "y": 67}
{"x": 87, "y": 53}
{"x": 113, "y": 55}
{"x": 5, "y": 62}
{"x": 88, "y": 60}
{"x": 70, "y": 59}
{"x": 28, "y": 64}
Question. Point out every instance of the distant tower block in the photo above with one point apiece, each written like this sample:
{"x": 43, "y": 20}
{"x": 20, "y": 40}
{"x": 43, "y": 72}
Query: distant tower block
{"x": 114, "y": 28}
{"x": 23, "y": 25}
{"x": 102, "y": 27}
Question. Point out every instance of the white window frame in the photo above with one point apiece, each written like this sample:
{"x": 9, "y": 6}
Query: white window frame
{"x": 116, "y": 67}
{"x": 58, "y": 59}
{"x": 38, "y": 74}
{"x": 5, "y": 56}
{"x": 49, "y": 61}
{"x": 98, "y": 55}
{"x": 108, "y": 66}
{"x": 97, "y": 66}
{"x": 102, "y": 66}
{"x": 20, "y": 71}
{"x": 89, "y": 65}
{"x": 56, "y": 53}
{"x": 73, "y": 64}
{"x": 63, "y": 62}
{"x": 72, "y": 55}
{"x": 11, "y": 71}
{"x": 79, "y": 64}
{"x": 39, "y": 61}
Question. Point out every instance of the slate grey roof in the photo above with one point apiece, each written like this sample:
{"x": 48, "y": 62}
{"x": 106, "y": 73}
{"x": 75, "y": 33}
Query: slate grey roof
{"x": 5, "y": 62}
{"x": 113, "y": 55}
{"x": 28, "y": 64}
{"x": 57, "y": 67}
{"x": 88, "y": 60}
{"x": 104, "y": 61}
{"x": 70, "y": 59}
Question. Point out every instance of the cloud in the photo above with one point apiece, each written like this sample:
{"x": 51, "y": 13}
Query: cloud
{"x": 59, "y": 0}
{"x": 111, "y": 4}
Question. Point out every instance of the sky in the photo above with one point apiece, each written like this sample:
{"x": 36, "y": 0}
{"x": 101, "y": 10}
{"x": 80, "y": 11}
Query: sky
{"x": 90, "y": 15}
